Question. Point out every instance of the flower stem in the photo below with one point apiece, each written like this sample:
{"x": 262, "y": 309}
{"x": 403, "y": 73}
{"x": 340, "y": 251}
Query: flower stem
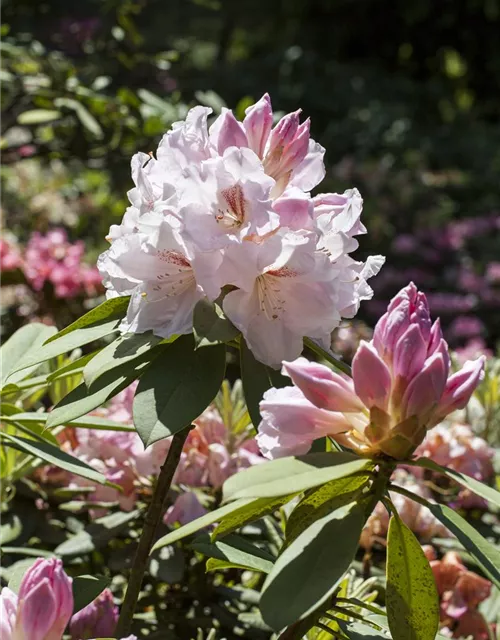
{"x": 153, "y": 517}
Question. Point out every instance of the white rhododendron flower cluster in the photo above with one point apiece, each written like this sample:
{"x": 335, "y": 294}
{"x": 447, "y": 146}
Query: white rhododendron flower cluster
{"x": 230, "y": 206}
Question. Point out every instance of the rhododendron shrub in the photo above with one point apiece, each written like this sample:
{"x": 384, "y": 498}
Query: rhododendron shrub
{"x": 224, "y": 257}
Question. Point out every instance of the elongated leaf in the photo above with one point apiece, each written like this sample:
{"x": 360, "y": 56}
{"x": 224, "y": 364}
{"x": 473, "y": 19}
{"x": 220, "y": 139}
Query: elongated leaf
{"x": 97, "y": 534}
{"x": 308, "y": 571}
{"x": 411, "y": 597}
{"x": 318, "y": 502}
{"x": 292, "y": 475}
{"x": 254, "y": 511}
{"x": 255, "y": 380}
{"x": 23, "y": 343}
{"x": 85, "y": 422}
{"x": 38, "y": 116}
{"x": 72, "y": 367}
{"x": 124, "y": 349}
{"x": 210, "y": 325}
{"x": 360, "y": 631}
{"x": 484, "y": 552}
{"x": 200, "y": 523}
{"x": 480, "y": 489}
{"x": 233, "y": 551}
{"x": 53, "y": 455}
{"x": 82, "y": 400}
{"x": 177, "y": 388}
{"x": 86, "y": 589}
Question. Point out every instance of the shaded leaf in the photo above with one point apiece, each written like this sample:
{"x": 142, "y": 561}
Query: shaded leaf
{"x": 177, "y": 388}
{"x": 411, "y": 596}
{"x": 255, "y": 380}
{"x": 308, "y": 571}
{"x": 233, "y": 551}
{"x": 87, "y": 588}
{"x": 210, "y": 325}
{"x": 22, "y": 344}
{"x": 85, "y": 422}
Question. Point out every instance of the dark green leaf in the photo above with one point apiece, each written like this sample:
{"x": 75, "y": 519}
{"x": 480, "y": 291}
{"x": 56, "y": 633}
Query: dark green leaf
{"x": 233, "y": 551}
{"x": 480, "y": 489}
{"x": 24, "y": 343}
{"x": 309, "y": 570}
{"x": 411, "y": 596}
{"x": 484, "y": 552}
{"x": 292, "y": 475}
{"x": 200, "y": 523}
{"x": 53, "y": 455}
{"x": 177, "y": 388}
{"x": 255, "y": 510}
{"x": 210, "y": 325}
{"x": 97, "y": 534}
{"x": 318, "y": 502}
{"x": 122, "y": 350}
{"x": 81, "y": 400}
{"x": 86, "y": 589}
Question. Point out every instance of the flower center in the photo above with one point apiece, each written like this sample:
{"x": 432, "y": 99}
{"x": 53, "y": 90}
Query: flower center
{"x": 269, "y": 285}
{"x": 232, "y": 207}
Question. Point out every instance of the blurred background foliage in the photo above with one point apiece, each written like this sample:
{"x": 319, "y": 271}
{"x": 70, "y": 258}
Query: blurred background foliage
{"x": 404, "y": 95}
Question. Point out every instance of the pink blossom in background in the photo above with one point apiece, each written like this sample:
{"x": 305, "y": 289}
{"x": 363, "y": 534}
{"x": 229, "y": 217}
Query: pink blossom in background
{"x": 186, "y": 508}
{"x": 53, "y": 258}
{"x": 456, "y": 447}
{"x": 98, "y": 618}
{"x": 10, "y": 256}
{"x": 230, "y": 205}
{"x": 460, "y": 592}
{"x": 466, "y": 327}
{"x": 418, "y": 518}
{"x": 473, "y": 349}
{"x": 401, "y": 387}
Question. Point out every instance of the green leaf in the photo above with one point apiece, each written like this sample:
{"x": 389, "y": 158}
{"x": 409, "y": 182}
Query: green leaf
{"x": 97, "y": 534}
{"x": 83, "y": 114}
{"x": 360, "y": 631}
{"x": 411, "y": 596}
{"x": 480, "y": 489}
{"x": 318, "y": 502}
{"x": 53, "y": 455}
{"x": 82, "y": 400}
{"x": 233, "y": 551}
{"x": 255, "y": 380}
{"x": 210, "y": 325}
{"x": 85, "y": 422}
{"x": 17, "y": 572}
{"x": 200, "y": 523}
{"x": 25, "y": 341}
{"x": 307, "y": 573}
{"x": 86, "y": 589}
{"x": 122, "y": 350}
{"x": 484, "y": 552}
{"x": 255, "y": 510}
{"x": 292, "y": 475}
{"x": 72, "y": 367}
{"x": 38, "y": 116}
{"x": 177, "y": 388}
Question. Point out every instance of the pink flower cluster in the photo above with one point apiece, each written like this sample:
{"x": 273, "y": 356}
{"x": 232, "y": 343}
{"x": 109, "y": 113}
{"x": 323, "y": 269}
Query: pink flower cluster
{"x": 44, "y": 605}
{"x": 460, "y": 592}
{"x": 53, "y": 258}
{"x": 401, "y": 387}
{"x": 456, "y": 447}
{"x": 229, "y": 206}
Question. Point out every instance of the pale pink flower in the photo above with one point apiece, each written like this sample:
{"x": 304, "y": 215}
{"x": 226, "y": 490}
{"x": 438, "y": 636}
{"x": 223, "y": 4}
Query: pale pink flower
{"x": 98, "y": 618}
{"x": 45, "y": 602}
{"x": 8, "y": 610}
{"x": 400, "y": 388}
{"x": 186, "y": 508}
{"x": 10, "y": 256}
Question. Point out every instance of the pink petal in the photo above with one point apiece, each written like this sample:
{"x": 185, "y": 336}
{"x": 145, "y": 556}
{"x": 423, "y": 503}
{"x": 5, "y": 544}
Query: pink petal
{"x": 372, "y": 379}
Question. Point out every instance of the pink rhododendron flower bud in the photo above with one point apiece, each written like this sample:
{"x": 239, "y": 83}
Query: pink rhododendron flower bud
{"x": 258, "y": 123}
{"x": 8, "y": 612}
{"x": 400, "y": 389}
{"x": 45, "y": 602}
{"x": 230, "y": 132}
{"x": 98, "y": 618}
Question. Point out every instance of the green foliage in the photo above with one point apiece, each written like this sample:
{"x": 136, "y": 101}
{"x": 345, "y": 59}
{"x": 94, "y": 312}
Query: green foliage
{"x": 411, "y": 596}
{"x": 87, "y": 588}
{"x": 177, "y": 388}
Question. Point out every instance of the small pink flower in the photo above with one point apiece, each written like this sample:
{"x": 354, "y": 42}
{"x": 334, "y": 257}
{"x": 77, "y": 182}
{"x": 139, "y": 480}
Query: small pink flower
{"x": 45, "y": 602}
{"x": 185, "y": 509}
{"x": 97, "y": 618}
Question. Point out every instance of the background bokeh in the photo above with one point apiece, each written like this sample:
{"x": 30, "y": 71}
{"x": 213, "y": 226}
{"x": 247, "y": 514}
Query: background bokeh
{"x": 404, "y": 95}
